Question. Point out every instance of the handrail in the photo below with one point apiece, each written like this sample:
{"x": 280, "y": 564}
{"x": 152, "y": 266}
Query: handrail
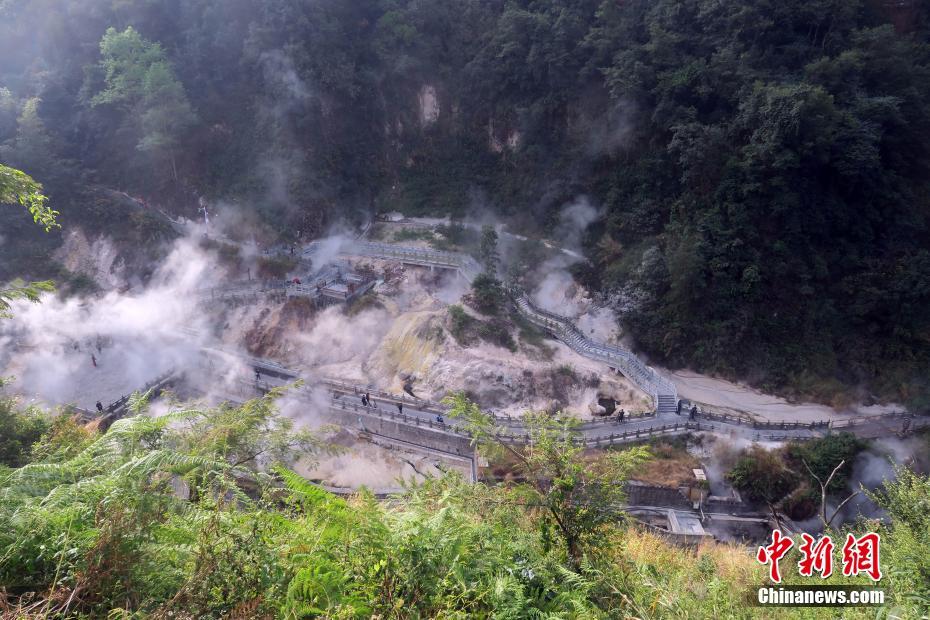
{"x": 440, "y": 408}
{"x": 119, "y": 405}
{"x": 642, "y": 375}
{"x": 513, "y": 436}
{"x": 466, "y": 265}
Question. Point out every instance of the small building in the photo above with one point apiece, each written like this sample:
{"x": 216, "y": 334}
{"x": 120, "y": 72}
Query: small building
{"x": 338, "y": 288}
{"x": 686, "y": 528}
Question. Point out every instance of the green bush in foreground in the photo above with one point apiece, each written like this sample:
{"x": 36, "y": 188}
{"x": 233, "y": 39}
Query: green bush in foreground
{"x": 194, "y": 515}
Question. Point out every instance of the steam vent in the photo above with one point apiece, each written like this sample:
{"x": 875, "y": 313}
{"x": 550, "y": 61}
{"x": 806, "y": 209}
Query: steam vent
{"x": 345, "y": 309}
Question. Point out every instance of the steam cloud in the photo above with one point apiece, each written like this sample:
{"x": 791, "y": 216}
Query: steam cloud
{"x": 556, "y": 291}
{"x": 132, "y": 337}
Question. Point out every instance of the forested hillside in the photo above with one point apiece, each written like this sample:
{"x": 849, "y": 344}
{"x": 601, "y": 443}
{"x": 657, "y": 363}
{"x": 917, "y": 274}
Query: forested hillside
{"x": 763, "y": 165}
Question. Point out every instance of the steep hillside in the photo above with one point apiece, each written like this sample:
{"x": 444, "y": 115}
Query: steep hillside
{"x": 761, "y": 167}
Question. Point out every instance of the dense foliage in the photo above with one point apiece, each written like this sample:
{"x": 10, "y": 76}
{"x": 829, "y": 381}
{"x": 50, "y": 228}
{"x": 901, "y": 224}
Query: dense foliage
{"x": 18, "y": 187}
{"x": 191, "y": 515}
{"x": 763, "y": 165}
{"x": 789, "y": 477}
{"x": 20, "y": 428}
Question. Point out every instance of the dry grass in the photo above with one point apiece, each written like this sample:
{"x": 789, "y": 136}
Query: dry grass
{"x": 668, "y": 473}
{"x": 671, "y": 466}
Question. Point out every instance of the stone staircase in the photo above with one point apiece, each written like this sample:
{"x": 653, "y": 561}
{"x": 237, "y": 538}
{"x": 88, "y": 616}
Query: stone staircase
{"x": 663, "y": 392}
{"x": 667, "y": 404}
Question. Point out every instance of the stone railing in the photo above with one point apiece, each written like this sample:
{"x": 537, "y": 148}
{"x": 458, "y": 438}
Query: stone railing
{"x": 118, "y": 407}
{"x": 661, "y": 389}
{"x": 463, "y": 263}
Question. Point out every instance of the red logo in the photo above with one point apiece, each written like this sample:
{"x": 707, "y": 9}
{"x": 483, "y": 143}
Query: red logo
{"x": 772, "y": 553}
{"x": 860, "y": 555}
{"x": 817, "y": 557}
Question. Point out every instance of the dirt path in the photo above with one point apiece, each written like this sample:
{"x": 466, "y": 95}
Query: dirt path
{"x": 722, "y": 393}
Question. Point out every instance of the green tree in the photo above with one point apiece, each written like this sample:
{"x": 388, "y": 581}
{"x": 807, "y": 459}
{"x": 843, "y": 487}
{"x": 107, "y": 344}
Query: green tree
{"x": 823, "y": 454}
{"x": 141, "y": 81}
{"x": 19, "y": 187}
{"x": 490, "y": 257}
{"x": 577, "y": 497}
{"x": 20, "y": 428}
{"x": 488, "y": 294}
{"x": 763, "y": 476}
{"x": 906, "y": 539}
{"x": 8, "y": 113}
{"x": 32, "y": 145}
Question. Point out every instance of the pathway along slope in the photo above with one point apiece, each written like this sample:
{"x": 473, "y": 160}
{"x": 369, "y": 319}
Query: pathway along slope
{"x": 664, "y": 421}
{"x": 417, "y": 414}
{"x": 663, "y": 392}
{"x": 422, "y": 423}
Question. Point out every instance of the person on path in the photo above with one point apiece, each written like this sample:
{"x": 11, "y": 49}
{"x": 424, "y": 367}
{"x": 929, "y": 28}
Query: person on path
{"x": 440, "y": 419}
{"x": 693, "y": 412}
{"x": 622, "y": 413}
{"x": 99, "y": 406}
{"x": 368, "y": 400}
{"x": 93, "y": 360}
{"x": 400, "y": 408}
{"x": 364, "y": 400}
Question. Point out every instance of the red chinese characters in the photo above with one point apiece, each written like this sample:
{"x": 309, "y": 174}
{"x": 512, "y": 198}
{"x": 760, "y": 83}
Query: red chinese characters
{"x": 771, "y": 554}
{"x": 860, "y": 555}
{"x": 817, "y": 557}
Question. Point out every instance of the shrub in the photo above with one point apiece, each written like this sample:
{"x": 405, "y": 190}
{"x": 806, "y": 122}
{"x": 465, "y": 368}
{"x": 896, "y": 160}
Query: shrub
{"x": 276, "y": 267}
{"x": 487, "y": 294}
{"x": 19, "y": 430}
{"x": 460, "y": 325}
{"x": 497, "y": 333}
{"x": 762, "y": 476}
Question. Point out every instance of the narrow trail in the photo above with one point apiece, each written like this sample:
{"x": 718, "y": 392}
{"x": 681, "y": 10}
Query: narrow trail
{"x": 427, "y": 424}
{"x": 671, "y": 415}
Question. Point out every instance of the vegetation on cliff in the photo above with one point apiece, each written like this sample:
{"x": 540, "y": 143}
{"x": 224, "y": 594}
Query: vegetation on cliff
{"x": 762, "y": 166}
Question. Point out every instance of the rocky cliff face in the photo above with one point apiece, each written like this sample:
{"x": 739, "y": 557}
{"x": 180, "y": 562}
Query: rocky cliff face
{"x": 403, "y": 341}
{"x": 99, "y": 259}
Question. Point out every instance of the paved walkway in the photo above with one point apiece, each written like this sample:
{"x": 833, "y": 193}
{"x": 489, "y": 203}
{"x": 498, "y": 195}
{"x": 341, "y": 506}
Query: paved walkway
{"x": 669, "y": 417}
{"x": 420, "y": 413}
